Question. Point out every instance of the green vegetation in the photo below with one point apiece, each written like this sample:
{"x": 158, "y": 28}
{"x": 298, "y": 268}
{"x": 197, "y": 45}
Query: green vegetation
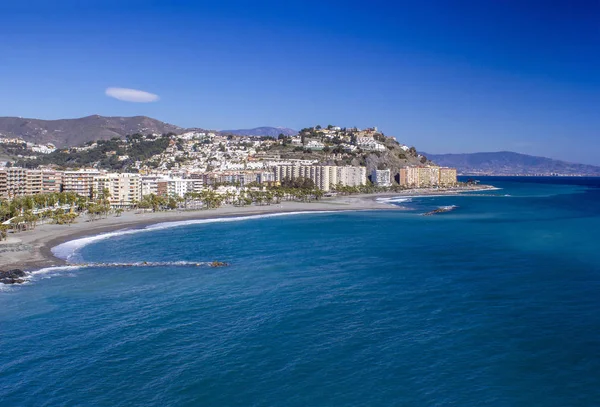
{"x": 105, "y": 154}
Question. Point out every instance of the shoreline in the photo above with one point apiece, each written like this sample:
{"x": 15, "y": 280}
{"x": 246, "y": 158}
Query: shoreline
{"x": 32, "y": 250}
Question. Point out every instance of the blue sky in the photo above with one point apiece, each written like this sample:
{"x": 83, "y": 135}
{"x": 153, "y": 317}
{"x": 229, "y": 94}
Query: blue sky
{"x": 444, "y": 76}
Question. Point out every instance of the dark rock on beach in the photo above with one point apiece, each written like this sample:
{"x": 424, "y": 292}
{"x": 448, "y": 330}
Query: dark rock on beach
{"x": 14, "y": 276}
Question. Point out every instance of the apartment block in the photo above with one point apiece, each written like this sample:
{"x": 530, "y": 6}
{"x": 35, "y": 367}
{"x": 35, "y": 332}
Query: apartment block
{"x": 381, "y": 178}
{"x": 408, "y": 177}
{"x": 80, "y": 182}
{"x": 150, "y": 184}
{"x": 16, "y": 182}
{"x": 428, "y": 176}
{"x": 448, "y": 176}
{"x": 33, "y": 182}
{"x": 351, "y": 176}
{"x": 124, "y": 189}
{"x": 52, "y": 181}
{"x": 175, "y": 186}
{"x": 324, "y": 176}
{"x": 3, "y": 186}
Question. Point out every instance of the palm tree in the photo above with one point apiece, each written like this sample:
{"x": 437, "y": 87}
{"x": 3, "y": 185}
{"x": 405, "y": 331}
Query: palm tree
{"x": 4, "y": 231}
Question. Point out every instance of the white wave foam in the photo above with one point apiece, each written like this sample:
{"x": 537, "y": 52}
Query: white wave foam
{"x": 394, "y": 200}
{"x": 48, "y": 272}
{"x": 66, "y": 250}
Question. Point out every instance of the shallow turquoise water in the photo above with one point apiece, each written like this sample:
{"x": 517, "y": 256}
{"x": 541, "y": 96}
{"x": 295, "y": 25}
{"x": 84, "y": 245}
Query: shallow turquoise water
{"x": 495, "y": 303}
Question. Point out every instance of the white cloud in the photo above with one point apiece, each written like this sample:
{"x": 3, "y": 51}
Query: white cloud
{"x": 131, "y": 95}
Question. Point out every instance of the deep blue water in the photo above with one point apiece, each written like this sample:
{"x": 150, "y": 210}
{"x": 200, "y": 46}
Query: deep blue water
{"x": 495, "y": 303}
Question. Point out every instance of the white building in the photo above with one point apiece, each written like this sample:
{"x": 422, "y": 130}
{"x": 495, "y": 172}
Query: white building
{"x": 381, "y": 178}
{"x": 314, "y": 145}
{"x": 177, "y": 186}
{"x": 369, "y": 144}
{"x": 150, "y": 184}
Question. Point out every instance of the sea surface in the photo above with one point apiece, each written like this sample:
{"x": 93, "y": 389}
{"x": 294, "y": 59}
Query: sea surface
{"x": 495, "y": 303}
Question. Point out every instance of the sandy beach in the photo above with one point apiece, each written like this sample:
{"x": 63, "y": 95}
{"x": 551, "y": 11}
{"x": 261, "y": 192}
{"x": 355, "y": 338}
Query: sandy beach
{"x": 32, "y": 249}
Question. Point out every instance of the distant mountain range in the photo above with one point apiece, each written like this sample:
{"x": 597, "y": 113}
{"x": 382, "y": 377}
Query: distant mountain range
{"x": 509, "y": 163}
{"x": 74, "y": 132}
{"x": 263, "y": 131}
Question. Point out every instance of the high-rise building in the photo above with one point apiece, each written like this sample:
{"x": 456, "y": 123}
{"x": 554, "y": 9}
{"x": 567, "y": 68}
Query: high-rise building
{"x": 351, "y": 176}
{"x": 33, "y": 182}
{"x": 16, "y": 181}
{"x": 124, "y": 189}
{"x": 381, "y": 178}
{"x": 409, "y": 177}
{"x": 428, "y": 176}
{"x": 150, "y": 184}
{"x": 51, "y": 181}
{"x": 175, "y": 186}
{"x": 3, "y": 186}
{"x": 448, "y": 176}
{"x": 80, "y": 182}
{"x": 323, "y": 176}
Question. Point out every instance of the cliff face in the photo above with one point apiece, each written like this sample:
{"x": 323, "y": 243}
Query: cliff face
{"x": 75, "y": 132}
{"x": 394, "y": 158}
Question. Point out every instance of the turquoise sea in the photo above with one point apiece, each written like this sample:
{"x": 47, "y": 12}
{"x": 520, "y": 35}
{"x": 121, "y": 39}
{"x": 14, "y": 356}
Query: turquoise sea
{"x": 496, "y": 303}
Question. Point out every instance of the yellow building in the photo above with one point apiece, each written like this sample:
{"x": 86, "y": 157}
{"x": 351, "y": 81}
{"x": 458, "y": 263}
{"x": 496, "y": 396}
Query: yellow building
{"x": 448, "y": 176}
{"x": 428, "y": 176}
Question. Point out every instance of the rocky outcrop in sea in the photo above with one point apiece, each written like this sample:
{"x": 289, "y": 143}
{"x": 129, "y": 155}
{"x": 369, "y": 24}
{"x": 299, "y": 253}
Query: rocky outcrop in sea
{"x": 14, "y": 276}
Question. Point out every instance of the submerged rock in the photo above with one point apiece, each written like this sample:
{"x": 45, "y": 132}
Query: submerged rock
{"x": 14, "y": 276}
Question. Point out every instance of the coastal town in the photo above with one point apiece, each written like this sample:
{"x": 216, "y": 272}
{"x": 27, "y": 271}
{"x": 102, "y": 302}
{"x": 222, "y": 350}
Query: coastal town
{"x": 203, "y": 169}
{"x": 143, "y": 179}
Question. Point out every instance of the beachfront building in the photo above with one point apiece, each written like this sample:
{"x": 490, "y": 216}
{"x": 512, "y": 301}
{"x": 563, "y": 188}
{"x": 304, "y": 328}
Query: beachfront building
{"x": 381, "y": 178}
{"x": 124, "y": 189}
{"x": 16, "y": 181}
{"x": 3, "y": 186}
{"x": 150, "y": 184}
{"x": 80, "y": 182}
{"x": 33, "y": 182}
{"x": 175, "y": 187}
{"x": 448, "y": 176}
{"x": 323, "y": 176}
{"x": 428, "y": 176}
{"x": 408, "y": 177}
{"x": 52, "y": 181}
{"x": 351, "y": 176}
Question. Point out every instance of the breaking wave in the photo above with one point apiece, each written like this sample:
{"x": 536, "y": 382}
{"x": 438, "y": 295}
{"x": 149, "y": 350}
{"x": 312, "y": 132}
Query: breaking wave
{"x": 394, "y": 200}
